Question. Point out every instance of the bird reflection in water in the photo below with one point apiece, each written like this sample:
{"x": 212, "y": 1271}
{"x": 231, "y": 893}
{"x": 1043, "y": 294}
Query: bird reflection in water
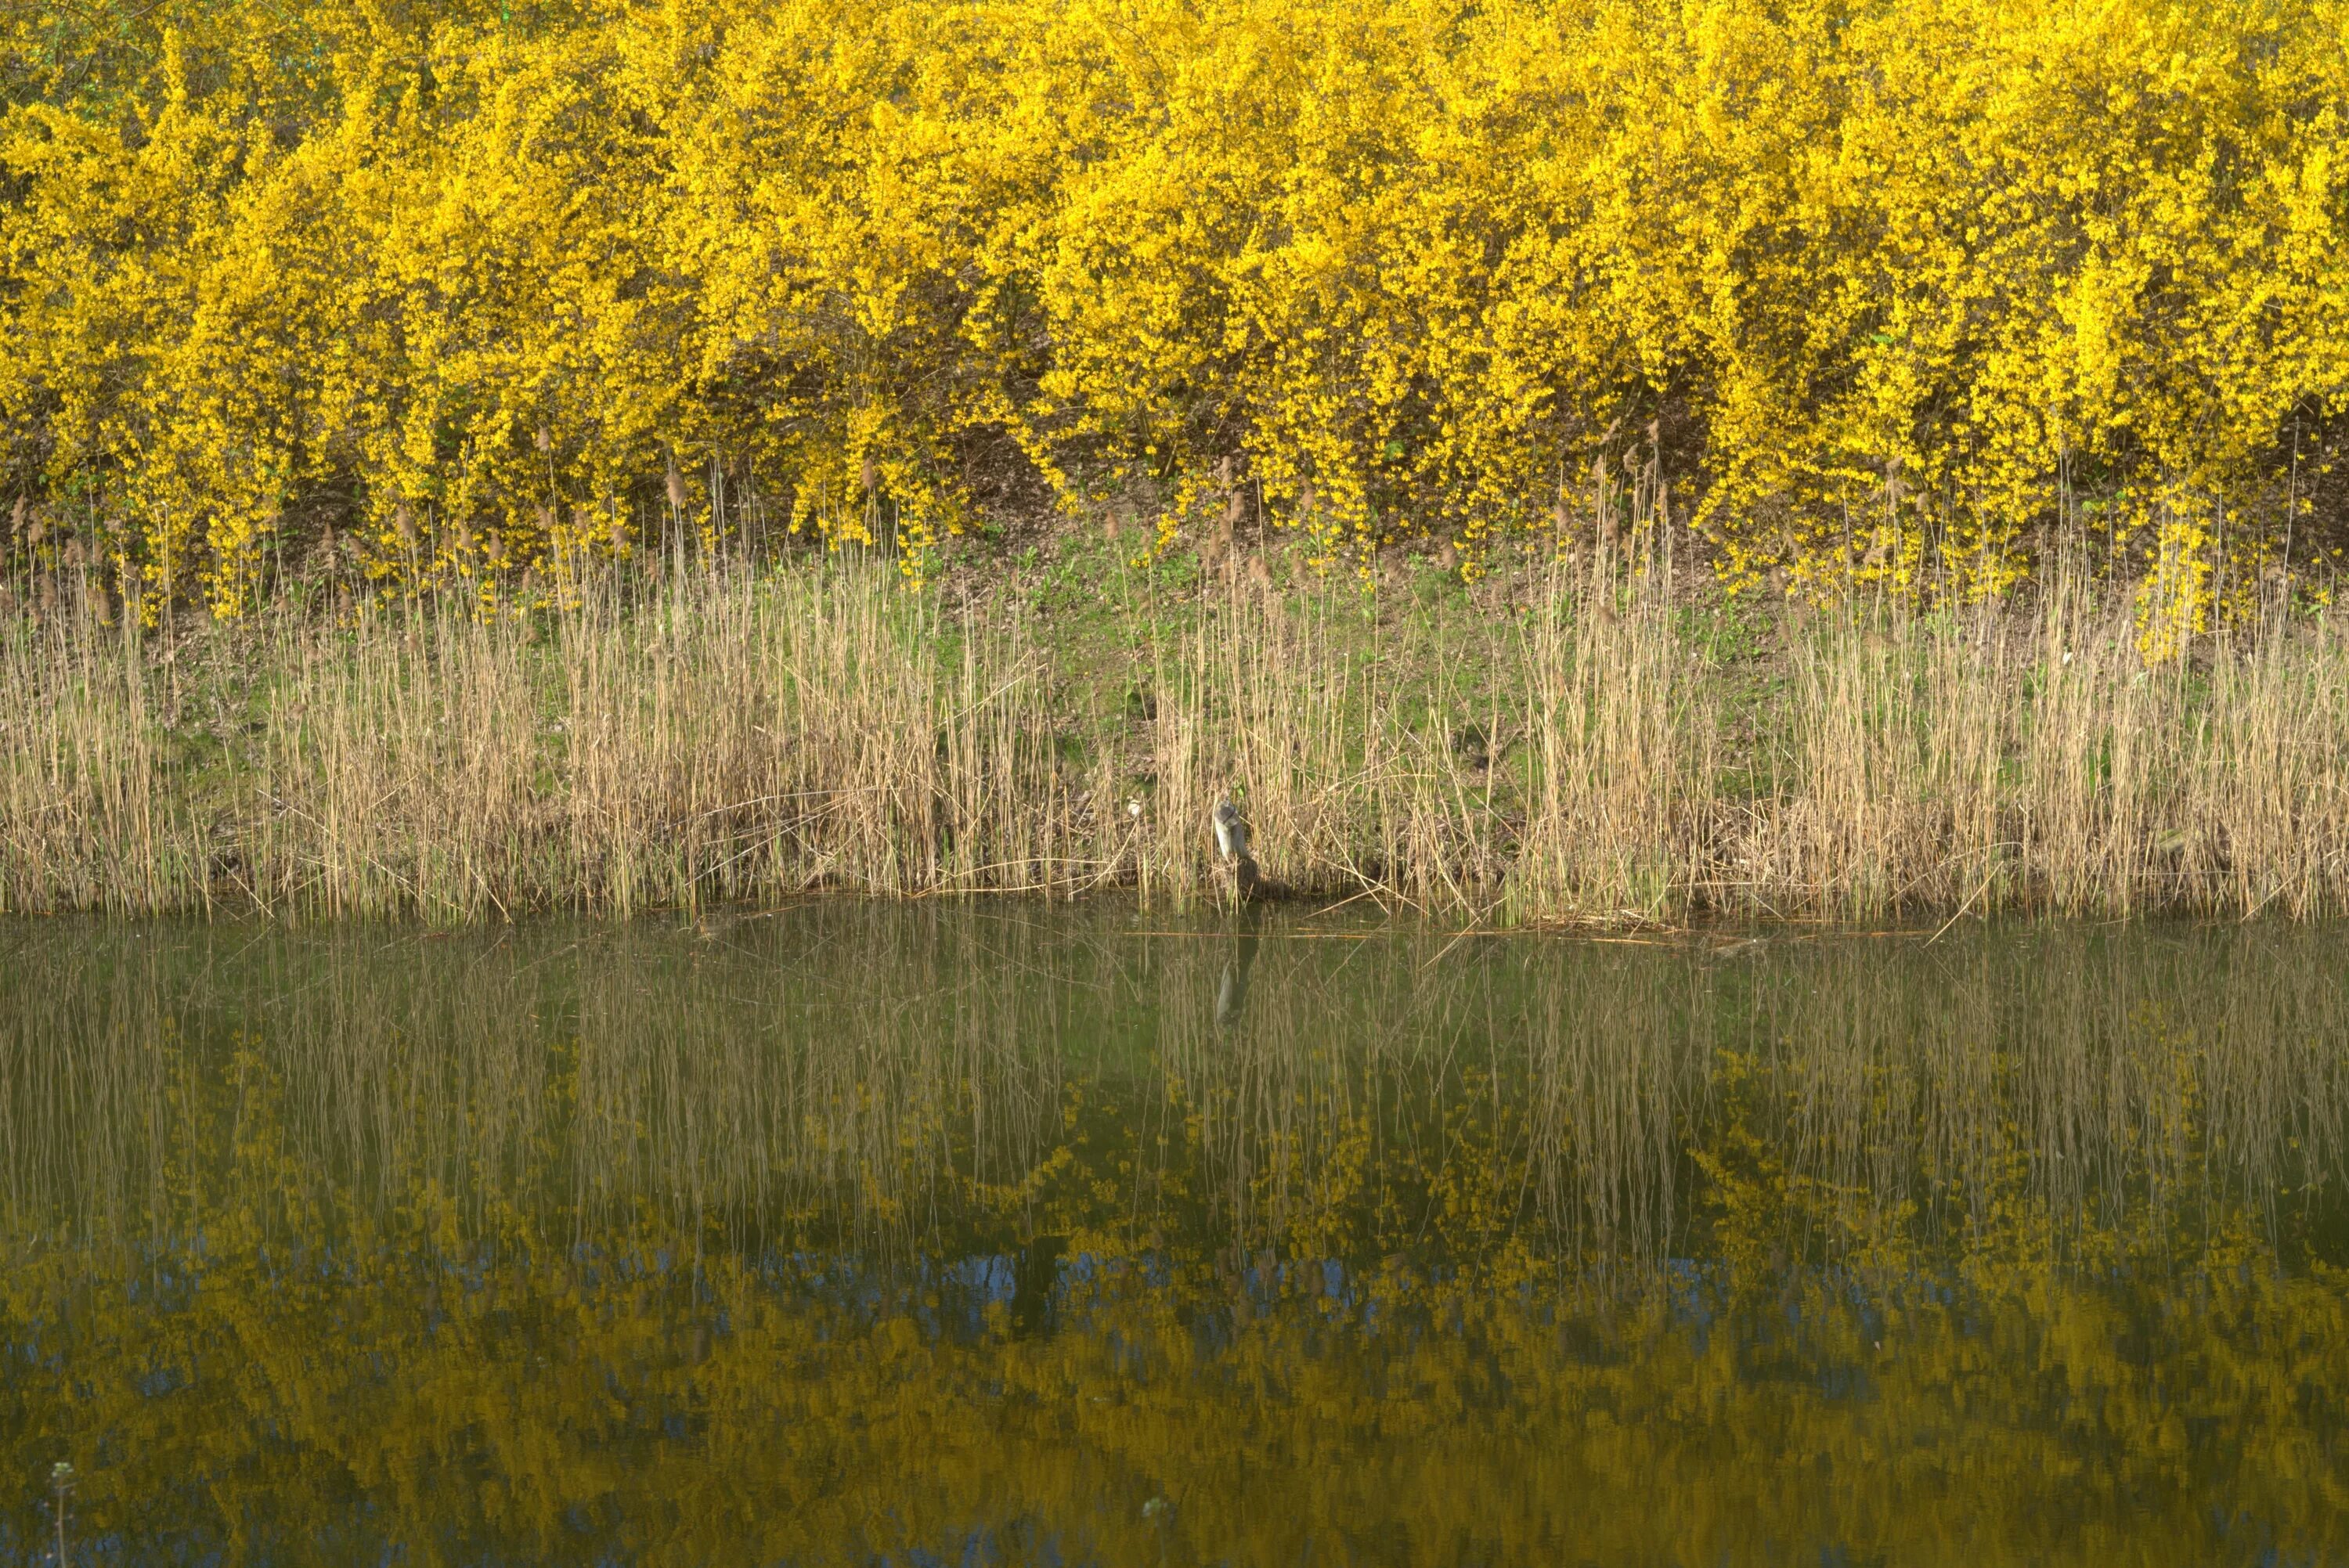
{"x": 1231, "y": 991}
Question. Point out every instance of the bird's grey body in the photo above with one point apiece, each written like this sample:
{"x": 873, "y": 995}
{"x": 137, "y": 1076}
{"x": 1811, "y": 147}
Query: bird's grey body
{"x": 1232, "y": 843}
{"x": 1231, "y": 832}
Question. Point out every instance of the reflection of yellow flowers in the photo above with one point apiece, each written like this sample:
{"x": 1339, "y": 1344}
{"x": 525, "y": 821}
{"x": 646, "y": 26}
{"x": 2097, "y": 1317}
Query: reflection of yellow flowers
{"x": 455, "y": 1242}
{"x": 490, "y": 295}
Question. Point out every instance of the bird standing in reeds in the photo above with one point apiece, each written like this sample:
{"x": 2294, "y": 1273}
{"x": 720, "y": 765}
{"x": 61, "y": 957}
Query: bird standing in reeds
{"x": 1232, "y": 844}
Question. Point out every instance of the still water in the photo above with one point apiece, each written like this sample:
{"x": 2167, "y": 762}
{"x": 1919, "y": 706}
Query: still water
{"x": 1004, "y": 1235}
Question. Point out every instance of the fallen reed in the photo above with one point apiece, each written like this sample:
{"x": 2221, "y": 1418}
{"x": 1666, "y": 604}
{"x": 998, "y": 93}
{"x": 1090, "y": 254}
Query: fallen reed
{"x": 1593, "y": 749}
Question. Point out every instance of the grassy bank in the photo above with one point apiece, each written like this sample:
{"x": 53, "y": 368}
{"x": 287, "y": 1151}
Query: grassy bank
{"x": 1550, "y": 745}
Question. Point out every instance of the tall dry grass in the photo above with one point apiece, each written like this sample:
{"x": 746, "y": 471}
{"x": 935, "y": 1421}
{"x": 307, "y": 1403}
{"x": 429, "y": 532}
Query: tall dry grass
{"x": 733, "y": 738}
{"x": 89, "y": 818}
{"x": 2029, "y": 758}
{"x": 745, "y": 735}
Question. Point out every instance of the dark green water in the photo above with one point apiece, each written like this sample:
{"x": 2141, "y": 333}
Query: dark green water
{"x": 997, "y": 1234}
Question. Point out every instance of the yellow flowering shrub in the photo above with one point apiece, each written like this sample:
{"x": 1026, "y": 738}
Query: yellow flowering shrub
{"x": 1860, "y": 289}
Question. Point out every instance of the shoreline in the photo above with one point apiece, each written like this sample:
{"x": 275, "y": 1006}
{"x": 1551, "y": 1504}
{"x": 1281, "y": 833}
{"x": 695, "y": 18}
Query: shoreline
{"x": 1556, "y": 747}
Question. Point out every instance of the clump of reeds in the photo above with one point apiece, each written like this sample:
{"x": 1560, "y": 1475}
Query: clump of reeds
{"x": 89, "y": 817}
{"x": 2026, "y": 757}
{"x": 1621, "y": 728}
{"x": 732, "y": 737}
{"x": 735, "y": 734}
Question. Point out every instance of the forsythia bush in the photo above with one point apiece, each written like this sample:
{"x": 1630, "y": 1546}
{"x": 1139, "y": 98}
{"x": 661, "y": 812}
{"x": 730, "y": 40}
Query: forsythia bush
{"x": 1851, "y": 288}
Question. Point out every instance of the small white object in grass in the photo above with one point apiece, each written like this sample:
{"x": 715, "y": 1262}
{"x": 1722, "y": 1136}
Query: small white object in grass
{"x": 1134, "y": 805}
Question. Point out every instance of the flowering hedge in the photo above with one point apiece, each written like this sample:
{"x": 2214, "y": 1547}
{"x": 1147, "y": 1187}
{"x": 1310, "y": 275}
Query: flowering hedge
{"x": 1847, "y": 286}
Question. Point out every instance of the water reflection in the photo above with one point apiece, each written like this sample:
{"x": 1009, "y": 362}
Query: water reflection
{"x": 1231, "y": 991}
{"x": 922, "y": 1233}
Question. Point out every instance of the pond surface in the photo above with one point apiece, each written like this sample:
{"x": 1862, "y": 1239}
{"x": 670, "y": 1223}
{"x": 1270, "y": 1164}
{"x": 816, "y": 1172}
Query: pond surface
{"x": 1009, "y": 1235}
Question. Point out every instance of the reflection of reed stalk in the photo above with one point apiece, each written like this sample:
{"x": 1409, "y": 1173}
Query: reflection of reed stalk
{"x": 61, "y": 1483}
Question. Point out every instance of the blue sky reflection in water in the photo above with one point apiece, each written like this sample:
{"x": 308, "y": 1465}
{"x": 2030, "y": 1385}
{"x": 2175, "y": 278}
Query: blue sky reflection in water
{"x": 1008, "y": 1234}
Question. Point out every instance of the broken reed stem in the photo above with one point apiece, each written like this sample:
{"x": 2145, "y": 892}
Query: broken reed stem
{"x": 742, "y": 735}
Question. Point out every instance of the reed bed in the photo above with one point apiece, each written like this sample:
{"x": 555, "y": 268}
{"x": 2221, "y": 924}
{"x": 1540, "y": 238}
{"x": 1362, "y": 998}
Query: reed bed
{"x": 1589, "y": 754}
